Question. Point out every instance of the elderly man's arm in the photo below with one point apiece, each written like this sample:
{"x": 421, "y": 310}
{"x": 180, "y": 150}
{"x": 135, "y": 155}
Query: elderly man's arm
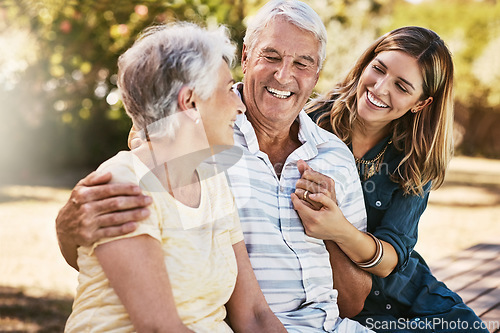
{"x": 352, "y": 283}
{"x": 247, "y": 308}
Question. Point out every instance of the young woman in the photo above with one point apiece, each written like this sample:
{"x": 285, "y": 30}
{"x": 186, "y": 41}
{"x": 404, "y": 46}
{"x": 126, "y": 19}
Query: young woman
{"x": 186, "y": 263}
{"x": 394, "y": 111}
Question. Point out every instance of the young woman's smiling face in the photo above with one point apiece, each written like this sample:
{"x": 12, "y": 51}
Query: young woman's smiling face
{"x": 389, "y": 87}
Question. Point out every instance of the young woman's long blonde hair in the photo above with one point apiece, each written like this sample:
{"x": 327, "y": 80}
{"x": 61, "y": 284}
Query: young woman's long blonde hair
{"x": 425, "y": 137}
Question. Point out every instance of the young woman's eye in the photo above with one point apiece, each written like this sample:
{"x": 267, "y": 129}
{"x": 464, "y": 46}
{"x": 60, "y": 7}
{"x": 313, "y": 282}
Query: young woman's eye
{"x": 378, "y": 69}
{"x": 402, "y": 88}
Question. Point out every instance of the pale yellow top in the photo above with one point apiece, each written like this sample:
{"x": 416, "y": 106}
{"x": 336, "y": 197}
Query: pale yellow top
{"x": 197, "y": 245}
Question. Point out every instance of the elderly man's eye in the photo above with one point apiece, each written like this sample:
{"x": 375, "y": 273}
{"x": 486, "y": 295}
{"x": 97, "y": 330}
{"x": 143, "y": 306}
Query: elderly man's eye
{"x": 272, "y": 58}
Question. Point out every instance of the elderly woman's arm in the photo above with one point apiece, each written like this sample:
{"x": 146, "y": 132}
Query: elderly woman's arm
{"x": 247, "y": 308}
{"x": 136, "y": 270}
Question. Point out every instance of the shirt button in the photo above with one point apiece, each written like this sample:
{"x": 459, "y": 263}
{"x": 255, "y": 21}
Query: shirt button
{"x": 376, "y": 292}
{"x": 282, "y": 189}
{"x": 388, "y": 307}
{"x": 378, "y": 203}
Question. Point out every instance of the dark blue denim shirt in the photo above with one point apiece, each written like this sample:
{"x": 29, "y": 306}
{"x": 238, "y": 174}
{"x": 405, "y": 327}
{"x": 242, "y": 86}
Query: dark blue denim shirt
{"x": 392, "y": 215}
{"x": 410, "y": 290}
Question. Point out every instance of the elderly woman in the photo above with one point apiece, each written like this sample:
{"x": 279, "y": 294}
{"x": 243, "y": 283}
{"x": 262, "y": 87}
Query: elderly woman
{"x": 186, "y": 263}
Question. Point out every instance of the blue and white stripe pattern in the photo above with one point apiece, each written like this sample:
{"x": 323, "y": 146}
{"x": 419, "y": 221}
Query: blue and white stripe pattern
{"x": 293, "y": 269}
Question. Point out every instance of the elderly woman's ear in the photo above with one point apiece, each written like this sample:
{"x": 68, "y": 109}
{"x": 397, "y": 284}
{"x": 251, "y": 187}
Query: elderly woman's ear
{"x": 186, "y": 99}
{"x": 134, "y": 139}
{"x": 187, "y": 103}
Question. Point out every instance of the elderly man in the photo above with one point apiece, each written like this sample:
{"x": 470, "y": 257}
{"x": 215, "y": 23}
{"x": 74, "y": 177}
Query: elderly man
{"x": 283, "y": 52}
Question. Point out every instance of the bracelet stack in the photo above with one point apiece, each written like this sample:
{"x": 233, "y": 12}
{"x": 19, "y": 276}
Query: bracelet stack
{"x": 377, "y": 258}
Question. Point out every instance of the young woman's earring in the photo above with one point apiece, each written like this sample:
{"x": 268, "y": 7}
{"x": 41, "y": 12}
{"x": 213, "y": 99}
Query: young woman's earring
{"x": 197, "y": 121}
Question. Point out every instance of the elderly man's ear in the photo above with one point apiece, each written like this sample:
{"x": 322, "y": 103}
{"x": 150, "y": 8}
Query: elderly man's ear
{"x": 244, "y": 59}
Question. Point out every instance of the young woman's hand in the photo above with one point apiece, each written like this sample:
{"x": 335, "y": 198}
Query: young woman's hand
{"x": 315, "y": 201}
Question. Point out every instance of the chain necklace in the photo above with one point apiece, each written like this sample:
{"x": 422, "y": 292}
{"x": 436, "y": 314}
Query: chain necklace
{"x": 366, "y": 169}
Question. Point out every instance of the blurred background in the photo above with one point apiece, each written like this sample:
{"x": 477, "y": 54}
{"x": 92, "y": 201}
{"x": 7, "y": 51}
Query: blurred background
{"x": 61, "y": 116}
{"x": 59, "y": 104}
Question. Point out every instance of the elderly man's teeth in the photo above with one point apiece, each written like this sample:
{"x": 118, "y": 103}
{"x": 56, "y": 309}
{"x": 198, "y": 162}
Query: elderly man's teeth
{"x": 279, "y": 93}
{"x": 376, "y": 101}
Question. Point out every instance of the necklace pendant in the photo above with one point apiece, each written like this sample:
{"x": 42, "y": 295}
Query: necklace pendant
{"x": 367, "y": 169}
{"x": 370, "y": 171}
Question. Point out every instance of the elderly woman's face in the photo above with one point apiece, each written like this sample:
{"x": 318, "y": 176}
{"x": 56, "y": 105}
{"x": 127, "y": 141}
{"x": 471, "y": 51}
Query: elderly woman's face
{"x": 219, "y": 111}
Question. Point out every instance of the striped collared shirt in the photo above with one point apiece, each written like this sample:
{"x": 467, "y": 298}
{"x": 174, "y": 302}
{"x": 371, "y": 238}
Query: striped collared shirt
{"x": 293, "y": 269}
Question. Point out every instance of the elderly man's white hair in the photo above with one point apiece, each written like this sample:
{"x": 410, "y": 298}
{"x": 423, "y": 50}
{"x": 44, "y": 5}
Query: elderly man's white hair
{"x": 295, "y": 12}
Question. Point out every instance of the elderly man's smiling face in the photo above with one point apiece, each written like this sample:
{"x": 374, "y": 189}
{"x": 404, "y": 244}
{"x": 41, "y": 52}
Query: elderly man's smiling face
{"x": 280, "y": 72}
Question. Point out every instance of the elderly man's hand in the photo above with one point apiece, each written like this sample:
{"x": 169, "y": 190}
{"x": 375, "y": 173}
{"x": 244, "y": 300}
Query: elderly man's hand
{"x": 96, "y": 210}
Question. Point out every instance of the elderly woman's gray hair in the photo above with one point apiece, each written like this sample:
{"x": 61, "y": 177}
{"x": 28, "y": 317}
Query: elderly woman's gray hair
{"x": 163, "y": 60}
{"x": 295, "y": 12}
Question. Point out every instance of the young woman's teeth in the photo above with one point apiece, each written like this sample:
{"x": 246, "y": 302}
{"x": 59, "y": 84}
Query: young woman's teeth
{"x": 278, "y": 93}
{"x": 375, "y": 101}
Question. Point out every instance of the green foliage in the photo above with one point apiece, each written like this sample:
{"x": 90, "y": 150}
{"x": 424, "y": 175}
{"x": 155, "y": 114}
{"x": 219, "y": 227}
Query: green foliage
{"x": 58, "y": 88}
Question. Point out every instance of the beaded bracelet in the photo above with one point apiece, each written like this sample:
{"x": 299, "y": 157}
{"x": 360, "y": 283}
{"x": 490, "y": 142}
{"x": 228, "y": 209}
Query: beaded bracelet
{"x": 377, "y": 258}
